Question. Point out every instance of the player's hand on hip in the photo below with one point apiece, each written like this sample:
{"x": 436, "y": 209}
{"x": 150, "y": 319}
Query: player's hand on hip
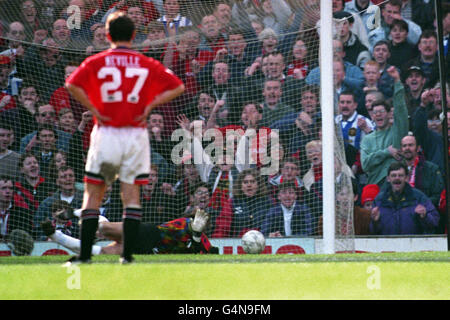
{"x": 101, "y": 119}
{"x": 143, "y": 117}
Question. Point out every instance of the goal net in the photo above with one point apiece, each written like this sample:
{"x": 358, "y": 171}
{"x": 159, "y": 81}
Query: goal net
{"x": 243, "y": 142}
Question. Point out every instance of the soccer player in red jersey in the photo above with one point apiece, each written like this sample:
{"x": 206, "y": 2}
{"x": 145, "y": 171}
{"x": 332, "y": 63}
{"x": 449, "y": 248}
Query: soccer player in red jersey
{"x": 120, "y": 87}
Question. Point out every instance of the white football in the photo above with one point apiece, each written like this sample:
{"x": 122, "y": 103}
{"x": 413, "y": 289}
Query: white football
{"x": 253, "y": 242}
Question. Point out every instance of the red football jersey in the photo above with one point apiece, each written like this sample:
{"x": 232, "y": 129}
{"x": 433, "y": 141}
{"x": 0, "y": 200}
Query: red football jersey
{"x": 121, "y": 83}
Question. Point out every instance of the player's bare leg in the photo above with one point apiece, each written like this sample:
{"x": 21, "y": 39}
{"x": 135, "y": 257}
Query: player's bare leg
{"x": 132, "y": 215}
{"x": 93, "y": 195}
{"x": 92, "y": 199}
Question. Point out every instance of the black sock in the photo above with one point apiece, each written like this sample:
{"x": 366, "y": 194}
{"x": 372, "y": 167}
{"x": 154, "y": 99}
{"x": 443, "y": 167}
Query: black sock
{"x": 89, "y": 224}
{"x": 131, "y": 222}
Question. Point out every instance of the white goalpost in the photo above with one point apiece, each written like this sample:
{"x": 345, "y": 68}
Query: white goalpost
{"x": 327, "y": 104}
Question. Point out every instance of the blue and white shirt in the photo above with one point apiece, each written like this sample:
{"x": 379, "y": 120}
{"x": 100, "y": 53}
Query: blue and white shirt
{"x": 178, "y": 21}
{"x": 351, "y": 133}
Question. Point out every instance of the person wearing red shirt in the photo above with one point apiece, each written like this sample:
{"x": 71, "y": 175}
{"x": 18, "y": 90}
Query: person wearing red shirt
{"x": 61, "y": 98}
{"x": 297, "y": 65}
{"x": 212, "y": 39}
{"x": 30, "y": 185}
{"x": 185, "y": 59}
{"x": 14, "y": 211}
{"x": 120, "y": 87}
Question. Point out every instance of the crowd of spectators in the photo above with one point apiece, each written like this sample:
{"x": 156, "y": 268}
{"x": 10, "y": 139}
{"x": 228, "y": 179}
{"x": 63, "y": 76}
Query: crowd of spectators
{"x": 250, "y": 67}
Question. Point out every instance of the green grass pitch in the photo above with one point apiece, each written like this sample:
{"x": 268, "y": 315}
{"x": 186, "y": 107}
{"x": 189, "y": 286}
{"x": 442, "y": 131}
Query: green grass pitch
{"x": 423, "y": 275}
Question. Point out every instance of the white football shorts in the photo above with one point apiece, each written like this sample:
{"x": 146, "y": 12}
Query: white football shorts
{"x": 122, "y": 153}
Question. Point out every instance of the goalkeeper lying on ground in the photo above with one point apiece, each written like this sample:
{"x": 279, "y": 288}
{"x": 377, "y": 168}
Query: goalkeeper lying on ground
{"x": 183, "y": 235}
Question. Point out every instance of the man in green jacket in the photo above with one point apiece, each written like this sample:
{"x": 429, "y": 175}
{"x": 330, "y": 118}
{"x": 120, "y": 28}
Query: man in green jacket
{"x": 382, "y": 147}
